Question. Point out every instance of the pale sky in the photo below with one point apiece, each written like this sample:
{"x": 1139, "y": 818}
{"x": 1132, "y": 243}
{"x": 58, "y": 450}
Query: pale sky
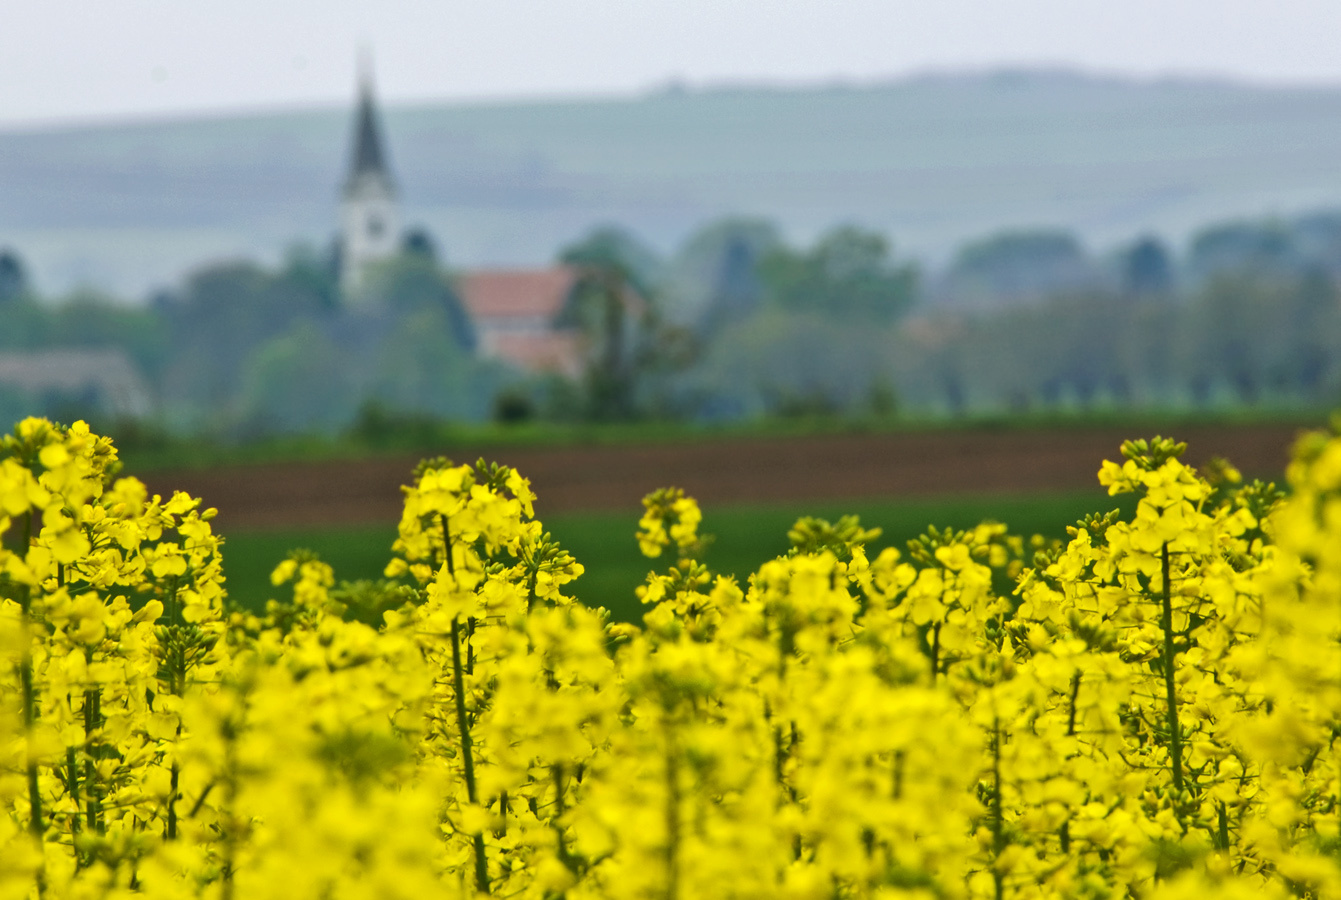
{"x": 74, "y": 60}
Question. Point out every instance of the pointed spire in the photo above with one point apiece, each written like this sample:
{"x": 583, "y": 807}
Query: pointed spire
{"x": 368, "y": 156}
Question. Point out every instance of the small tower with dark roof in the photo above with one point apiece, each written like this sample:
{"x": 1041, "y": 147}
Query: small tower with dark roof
{"x": 369, "y": 217}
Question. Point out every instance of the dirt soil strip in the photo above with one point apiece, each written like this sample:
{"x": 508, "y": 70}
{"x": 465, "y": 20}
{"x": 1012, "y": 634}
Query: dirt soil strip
{"x": 820, "y": 468}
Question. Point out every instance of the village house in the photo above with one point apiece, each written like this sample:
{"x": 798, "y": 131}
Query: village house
{"x": 105, "y": 380}
{"x": 517, "y": 314}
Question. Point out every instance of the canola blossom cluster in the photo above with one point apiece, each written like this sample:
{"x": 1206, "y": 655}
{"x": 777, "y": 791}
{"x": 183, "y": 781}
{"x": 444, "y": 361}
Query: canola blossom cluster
{"x": 1150, "y": 709}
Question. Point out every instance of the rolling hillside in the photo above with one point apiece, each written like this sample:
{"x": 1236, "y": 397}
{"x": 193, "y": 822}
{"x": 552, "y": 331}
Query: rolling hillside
{"x": 932, "y": 161}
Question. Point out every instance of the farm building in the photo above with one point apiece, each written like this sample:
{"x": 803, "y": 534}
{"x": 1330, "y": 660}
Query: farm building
{"x": 103, "y": 380}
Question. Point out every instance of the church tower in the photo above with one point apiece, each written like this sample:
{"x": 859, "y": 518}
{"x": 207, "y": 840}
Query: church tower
{"x": 370, "y": 223}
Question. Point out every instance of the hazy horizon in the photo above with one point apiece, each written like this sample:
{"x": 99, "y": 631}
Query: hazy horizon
{"x": 669, "y": 87}
{"x": 931, "y": 162}
{"x": 70, "y": 61}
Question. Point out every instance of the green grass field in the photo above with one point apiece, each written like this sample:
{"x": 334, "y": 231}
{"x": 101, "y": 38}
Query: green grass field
{"x": 746, "y": 536}
{"x": 145, "y": 449}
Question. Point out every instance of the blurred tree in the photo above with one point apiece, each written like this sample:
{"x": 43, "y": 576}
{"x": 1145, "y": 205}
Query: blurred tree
{"x": 1147, "y": 269}
{"x": 1242, "y": 246}
{"x": 792, "y": 364}
{"x": 1240, "y": 339}
{"x": 714, "y": 279}
{"x": 1229, "y": 335}
{"x": 418, "y": 242}
{"x": 614, "y": 304}
{"x": 218, "y": 319}
{"x": 25, "y": 323}
{"x": 615, "y": 248}
{"x": 737, "y": 290}
{"x": 1018, "y": 266}
{"x": 1308, "y": 361}
{"x": 13, "y": 277}
{"x": 849, "y": 274}
{"x": 604, "y": 306}
{"x": 410, "y": 284}
{"x": 421, "y": 367}
{"x": 86, "y": 319}
{"x": 307, "y": 271}
{"x": 1317, "y": 240}
{"x": 16, "y": 404}
{"x": 298, "y": 381}
{"x": 215, "y": 322}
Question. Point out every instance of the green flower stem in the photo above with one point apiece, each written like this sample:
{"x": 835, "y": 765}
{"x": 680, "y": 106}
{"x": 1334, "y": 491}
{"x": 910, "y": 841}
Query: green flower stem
{"x": 566, "y": 857}
{"x": 92, "y": 722}
{"x": 896, "y": 787}
{"x": 173, "y": 789}
{"x": 672, "y": 815}
{"x": 1171, "y": 697}
{"x": 29, "y": 720}
{"x": 935, "y": 651}
{"x": 229, "y": 735}
{"x": 447, "y": 545}
{"x": 72, "y": 785}
{"x": 1075, "y": 695}
{"x": 29, "y": 691}
{"x": 1064, "y": 834}
{"x": 467, "y": 755}
{"x": 998, "y": 824}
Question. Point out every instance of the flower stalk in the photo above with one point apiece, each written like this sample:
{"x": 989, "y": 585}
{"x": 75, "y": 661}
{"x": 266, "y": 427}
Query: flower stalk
{"x": 1167, "y": 663}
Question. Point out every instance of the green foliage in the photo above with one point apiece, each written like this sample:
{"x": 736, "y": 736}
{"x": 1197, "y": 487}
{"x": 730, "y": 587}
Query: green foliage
{"x": 252, "y": 351}
{"x": 219, "y": 322}
{"x": 1016, "y": 265}
{"x": 412, "y": 285}
{"x": 313, "y": 273}
{"x": 13, "y": 277}
{"x": 1243, "y": 246}
{"x": 795, "y": 364}
{"x": 297, "y": 381}
{"x": 16, "y": 405}
{"x": 420, "y": 367}
{"x": 1147, "y": 268}
{"x": 614, "y": 249}
{"x": 631, "y": 347}
{"x": 815, "y": 535}
{"x": 367, "y": 600}
{"x": 742, "y": 536}
{"x": 714, "y": 279}
{"x": 24, "y": 324}
{"x": 1153, "y": 453}
{"x": 848, "y": 274}
{"x": 1230, "y": 343}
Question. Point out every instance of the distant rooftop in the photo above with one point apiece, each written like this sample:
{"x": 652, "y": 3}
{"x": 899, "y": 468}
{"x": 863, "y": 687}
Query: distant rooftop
{"x": 105, "y": 379}
{"x": 516, "y": 316}
{"x": 558, "y": 352}
{"x": 516, "y": 293}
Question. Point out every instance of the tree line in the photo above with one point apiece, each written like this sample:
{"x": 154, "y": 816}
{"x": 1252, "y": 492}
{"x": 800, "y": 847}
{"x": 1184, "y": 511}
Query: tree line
{"x": 738, "y": 322}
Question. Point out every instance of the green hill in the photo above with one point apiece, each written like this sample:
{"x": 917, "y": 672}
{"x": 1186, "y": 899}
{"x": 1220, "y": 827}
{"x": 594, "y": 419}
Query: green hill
{"x": 932, "y": 161}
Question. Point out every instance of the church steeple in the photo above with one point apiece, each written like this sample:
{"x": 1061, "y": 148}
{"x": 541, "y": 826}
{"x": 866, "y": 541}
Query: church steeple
{"x": 370, "y": 221}
{"x": 368, "y": 156}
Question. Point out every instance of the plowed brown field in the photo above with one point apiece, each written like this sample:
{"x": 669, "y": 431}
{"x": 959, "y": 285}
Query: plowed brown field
{"x": 746, "y": 470}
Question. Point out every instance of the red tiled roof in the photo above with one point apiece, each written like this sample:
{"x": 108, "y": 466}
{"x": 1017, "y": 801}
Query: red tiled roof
{"x": 110, "y": 373}
{"x": 559, "y": 352}
{"x": 516, "y": 293}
